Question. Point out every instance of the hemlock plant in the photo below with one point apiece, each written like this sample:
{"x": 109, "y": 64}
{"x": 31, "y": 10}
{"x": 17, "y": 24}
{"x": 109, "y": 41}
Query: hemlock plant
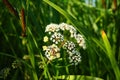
{"x": 63, "y": 37}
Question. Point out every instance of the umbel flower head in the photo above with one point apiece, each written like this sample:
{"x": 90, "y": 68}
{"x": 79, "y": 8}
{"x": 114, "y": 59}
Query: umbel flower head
{"x": 52, "y": 52}
{"x": 52, "y": 28}
{"x": 63, "y": 36}
{"x": 56, "y": 37}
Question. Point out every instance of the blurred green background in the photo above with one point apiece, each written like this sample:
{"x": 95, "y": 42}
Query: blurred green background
{"x": 21, "y": 54}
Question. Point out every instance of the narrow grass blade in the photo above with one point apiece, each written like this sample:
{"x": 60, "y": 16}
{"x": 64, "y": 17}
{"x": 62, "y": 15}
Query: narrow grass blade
{"x": 109, "y": 53}
{"x": 46, "y": 72}
{"x": 7, "y": 40}
{"x": 32, "y": 59}
{"x": 99, "y": 44}
{"x": 71, "y": 19}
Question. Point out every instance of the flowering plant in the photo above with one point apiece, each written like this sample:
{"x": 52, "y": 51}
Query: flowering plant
{"x": 63, "y": 37}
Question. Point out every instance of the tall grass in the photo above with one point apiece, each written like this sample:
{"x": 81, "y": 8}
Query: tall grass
{"x": 22, "y": 57}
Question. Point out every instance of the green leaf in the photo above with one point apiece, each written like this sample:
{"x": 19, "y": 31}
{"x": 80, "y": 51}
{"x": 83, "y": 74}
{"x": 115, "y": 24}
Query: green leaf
{"x": 109, "y": 53}
{"x": 70, "y": 18}
{"x": 78, "y": 77}
{"x": 31, "y": 54}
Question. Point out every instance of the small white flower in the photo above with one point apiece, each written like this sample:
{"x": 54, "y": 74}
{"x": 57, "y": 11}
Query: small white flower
{"x": 57, "y": 55}
{"x": 74, "y": 57}
{"x": 69, "y": 45}
{"x": 78, "y": 36}
{"x": 52, "y": 52}
{"x": 70, "y": 28}
{"x": 80, "y": 40}
{"x": 72, "y": 31}
{"x": 45, "y": 39}
{"x": 64, "y": 26}
{"x": 56, "y": 38}
{"x": 52, "y": 28}
{"x": 44, "y": 48}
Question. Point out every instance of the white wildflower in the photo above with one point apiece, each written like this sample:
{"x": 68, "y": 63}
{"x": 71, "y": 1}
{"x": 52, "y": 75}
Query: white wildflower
{"x": 64, "y": 26}
{"x": 52, "y": 28}
{"x": 70, "y": 28}
{"x": 74, "y": 57}
{"x": 72, "y": 31}
{"x": 80, "y": 40}
{"x": 44, "y": 48}
{"x": 69, "y": 45}
{"x": 45, "y": 39}
{"x": 56, "y": 37}
{"x": 59, "y": 36}
{"x": 52, "y": 52}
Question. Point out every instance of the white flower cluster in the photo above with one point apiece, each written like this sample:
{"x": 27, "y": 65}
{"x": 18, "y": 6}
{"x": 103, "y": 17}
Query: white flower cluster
{"x": 56, "y": 38}
{"x": 52, "y": 52}
{"x": 60, "y": 40}
{"x": 69, "y": 45}
{"x": 74, "y": 57}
